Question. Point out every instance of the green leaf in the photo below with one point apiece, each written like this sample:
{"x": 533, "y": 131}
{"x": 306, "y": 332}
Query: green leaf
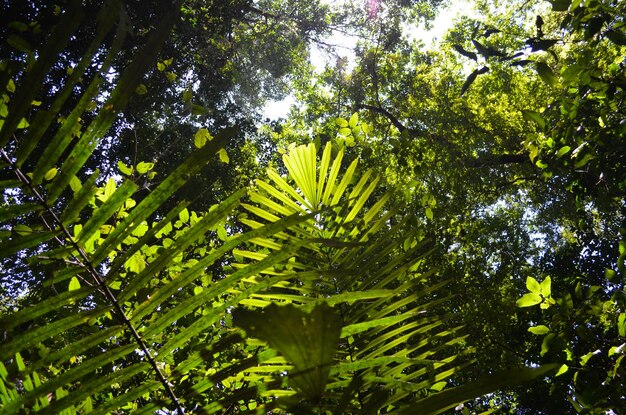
{"x": 561, "y": 370}
{"x": 223, "y": 155}
{"x": 19, "y": 43}
{"x": 545, "y": 344}
{"x": 74, "y": 284}
{"x": 22, "y": 229}
{"x": 429, "y": 213}
{"x": 539, "y": 330}
{"x": 583, "y": 161}
{"x": 440, "y": 402}
{"x": 184, "y": 215}
{"x": 571, "y": 73}
{"x": 354, "y": 120}
{"x": 136, "y": 263}
{"x": 201, "y": 137}
{"x": 341, "y": 122}
{"x": 50, "y": 174}
{"x": 529, "y": 300}
{"x": 141, "y": 89}
{"x": 534, "y": 117}
{"x": 10, "y": 86}
{"x": 22, "y": 124}
{"x": 532, "y": 285}
{"x": 563, "y": 151}
{"x": 307, "y": 339}
{"x": 345, "y": 131}
{"x": 124, "y": 169}
{"x": 144, "y": 167}
{"x": 438, "y": 387}
{"x": 221, "y": 233}
{"x": 546, "y": 74}
{"x": 621, "y": 324}
{"x": 545, "y": 288}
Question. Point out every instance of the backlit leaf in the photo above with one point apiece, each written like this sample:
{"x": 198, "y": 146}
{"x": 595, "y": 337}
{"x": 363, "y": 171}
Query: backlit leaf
{"x": 144, "y": 167}
{"x": 532, "y": 285}
{"x": 539, "y": 330}
{"x": 223, "y": 156}
{"x": 201, "y": 137}
{"x": 50, "y": 174}
{"x": 74, "y": 284}
{"x": 529, "y": 299}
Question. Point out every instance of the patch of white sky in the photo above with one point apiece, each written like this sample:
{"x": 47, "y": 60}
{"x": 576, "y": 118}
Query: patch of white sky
{"x": 345, "y": 44}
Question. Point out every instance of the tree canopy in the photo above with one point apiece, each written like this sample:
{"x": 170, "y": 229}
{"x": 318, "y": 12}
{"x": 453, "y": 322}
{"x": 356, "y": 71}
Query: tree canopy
{"x": 429, "y": 229}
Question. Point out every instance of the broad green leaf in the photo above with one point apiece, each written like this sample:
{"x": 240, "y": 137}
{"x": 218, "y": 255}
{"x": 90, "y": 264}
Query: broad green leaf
{"x": 22, "y": 124}
{"x": 221, "y": 233}
{"x": 306, "y": 339}
{"x": 354, "y": 120}
{"x": 545, "y": 288}
{"x": 201, "y": 137}
{"x": 345, "y": 132}
{"x": 223, "y": 155}
{"x": 144, "y": 167}
{"x": 341, "y": 122}
{"x": 546, "y": 74}
{"x": 561, "y": 370}
{"x": 136, "y": 263}
{"x": 534, "y": 117}
{"x": 532, "y": 285}
{"x": 22, "y": 229}
{"x": 563, "y": 151}
{"x": 545, "y": 344}
{"x": 529, "y": 300}
{"x": 539, "y": 330}
{"x": 124, "y": 169}
{"x": 10, "y": 86}
{"x": 184, "y": 215}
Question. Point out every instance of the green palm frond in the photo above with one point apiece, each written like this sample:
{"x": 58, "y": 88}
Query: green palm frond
{"x": 354, "y": 258}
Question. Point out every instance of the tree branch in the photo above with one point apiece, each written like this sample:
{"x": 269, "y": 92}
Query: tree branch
{"x": 497, "y": 160}
{"x": 396, "y": 123}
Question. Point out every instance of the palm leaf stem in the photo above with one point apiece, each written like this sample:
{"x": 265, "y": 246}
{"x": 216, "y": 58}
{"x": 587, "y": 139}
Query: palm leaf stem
{"x": 86, "y": 264}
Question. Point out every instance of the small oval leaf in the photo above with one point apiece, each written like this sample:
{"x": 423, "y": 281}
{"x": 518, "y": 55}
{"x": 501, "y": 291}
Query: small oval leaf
{"x": 539, "y": 330}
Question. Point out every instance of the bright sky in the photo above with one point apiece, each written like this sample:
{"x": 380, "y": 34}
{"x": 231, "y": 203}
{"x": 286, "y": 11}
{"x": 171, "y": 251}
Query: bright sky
{"x": 444, "y": 20}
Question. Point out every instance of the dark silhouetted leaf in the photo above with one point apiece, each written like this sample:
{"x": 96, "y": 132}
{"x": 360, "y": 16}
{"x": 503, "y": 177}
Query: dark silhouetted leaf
{"x": 487, "y": 51}
{"x": 616, "y": 37}
{"x": 472, "y": 77}
{"x": 540, "y": 44}
{"x": 464, "y": 52}
{"x": 546, "y": 74}
{"x": 539, "y": 24}
{"x": 306, "y": 339}
{"x": 439, "y": 402}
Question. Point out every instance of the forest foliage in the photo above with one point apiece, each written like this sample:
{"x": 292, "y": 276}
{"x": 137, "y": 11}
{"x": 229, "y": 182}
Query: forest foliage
{"x": 429, "y": 230}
